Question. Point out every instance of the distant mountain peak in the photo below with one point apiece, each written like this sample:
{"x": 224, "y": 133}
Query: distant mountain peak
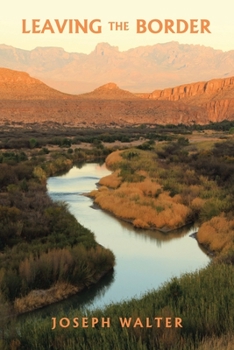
{"x": 105, "y": 48}
{"x": 143, "y": 68}
{"x": 110, "y": 91}
{"x": 108, "y": 86}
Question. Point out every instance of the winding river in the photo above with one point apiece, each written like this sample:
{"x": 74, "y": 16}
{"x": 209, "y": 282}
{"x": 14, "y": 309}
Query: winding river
{"x": 144, "y": 259}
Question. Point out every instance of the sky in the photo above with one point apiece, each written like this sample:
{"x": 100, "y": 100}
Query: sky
{"x": 13, "y": 12}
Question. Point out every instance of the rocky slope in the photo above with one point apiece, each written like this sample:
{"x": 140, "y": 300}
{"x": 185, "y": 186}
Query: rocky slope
{"x": 109, "y": 91}
{"x": 20, "y": 85}
{"x": 141, "y": 69}
{"x": 216, "y": 97}
{"x": 217, "y": 87}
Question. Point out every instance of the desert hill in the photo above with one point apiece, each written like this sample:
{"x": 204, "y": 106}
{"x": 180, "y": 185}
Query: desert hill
{"x": 140, "y": 69}
{"x": 28, "y": 100}
{"x": 20, "y": 85}
{"x": 109, "y": 91}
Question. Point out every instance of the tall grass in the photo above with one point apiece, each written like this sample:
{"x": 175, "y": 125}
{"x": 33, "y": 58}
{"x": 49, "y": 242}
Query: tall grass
{"x": 207, "y": 313}
{"x": 217, "y": 234}
{"x": 139, "y": 195}
{"x": 130, "y": 203}
{"x": 152, "y": 193}
{"x": 112, "y": 181}
{"x": 225, "y": 342}
{"x": 60, "y": 273}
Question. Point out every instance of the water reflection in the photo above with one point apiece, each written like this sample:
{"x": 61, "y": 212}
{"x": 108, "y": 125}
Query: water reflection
{"x": 154, "y": 235}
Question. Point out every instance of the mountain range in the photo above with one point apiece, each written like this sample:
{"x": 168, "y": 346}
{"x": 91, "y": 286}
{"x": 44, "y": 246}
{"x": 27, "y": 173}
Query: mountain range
{"x": 24, "y": 99}
{"x": 140, "y": 69}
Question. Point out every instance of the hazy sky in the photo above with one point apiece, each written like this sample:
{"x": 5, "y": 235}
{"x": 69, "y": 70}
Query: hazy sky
{"x": 220, "y": 15}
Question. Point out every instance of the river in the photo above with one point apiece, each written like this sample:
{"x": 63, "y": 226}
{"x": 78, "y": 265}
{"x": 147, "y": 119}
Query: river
{"x": 144, "y": 259}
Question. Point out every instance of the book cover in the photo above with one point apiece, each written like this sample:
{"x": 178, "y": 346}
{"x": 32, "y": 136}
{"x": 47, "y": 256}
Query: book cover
{"x": 103, "y": 256}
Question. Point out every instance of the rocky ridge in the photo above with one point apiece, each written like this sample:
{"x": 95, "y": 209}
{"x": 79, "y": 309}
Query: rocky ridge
{"x": 215, "y": 96}
{"x": 189, "y": 91}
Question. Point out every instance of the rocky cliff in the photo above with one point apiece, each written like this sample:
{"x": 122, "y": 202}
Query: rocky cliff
{"x": 215, "y": 97}
{"x": 204, "y": 89}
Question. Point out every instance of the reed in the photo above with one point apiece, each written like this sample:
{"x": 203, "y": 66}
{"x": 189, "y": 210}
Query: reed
{"x": 217, "y": 234}
{"x": 206, "y": 312}
{"x": 112, "y": 181}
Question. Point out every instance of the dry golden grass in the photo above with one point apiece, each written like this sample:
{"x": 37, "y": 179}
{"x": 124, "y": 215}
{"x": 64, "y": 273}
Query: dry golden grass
{"x": 217, "y": 234}
{"x": 39, "y": 298}
{"x": 195, "y": 190}
{"x": 202, "y": 142}
{"x": 142, "y": 173}
{"x": 40, "y": 174}
{"x": 197, "y": 203}
{"x": 177, "y": 198}
{"x": 113, "y": 180}
{"x": 141, "y": 194}
{"x": 134, "y": 202}
{"x": 94, "y": 193}
{"x": 149, "y": 187}
{"x": 225, "y": 342}
{"x": 144, "y": 203}
{"x": 113, "y": 158}
{"x": 139, "y": 223}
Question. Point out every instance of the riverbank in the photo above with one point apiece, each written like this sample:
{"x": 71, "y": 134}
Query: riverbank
{"x": 152, "y": 193}
{"x": 37, "y": 299}
{"x": 207, "y": 319}
{"x": 148, "y": 247}
{"x": 191, "y": 297}
{"x": 217, "y": 235}
{"x": 135, "y": 196}
{"x": 163, "y": 230}
{"x": 46, "y": 255}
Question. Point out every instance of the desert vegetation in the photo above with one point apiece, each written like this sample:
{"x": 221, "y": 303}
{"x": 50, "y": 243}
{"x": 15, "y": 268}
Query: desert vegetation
{"x": 136, "y": 202}
{"x": 42, "y": 136}
{"x": 172, "y": 184}
{"x": 43, "y": 248}
{"x": 206, "y": 312}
